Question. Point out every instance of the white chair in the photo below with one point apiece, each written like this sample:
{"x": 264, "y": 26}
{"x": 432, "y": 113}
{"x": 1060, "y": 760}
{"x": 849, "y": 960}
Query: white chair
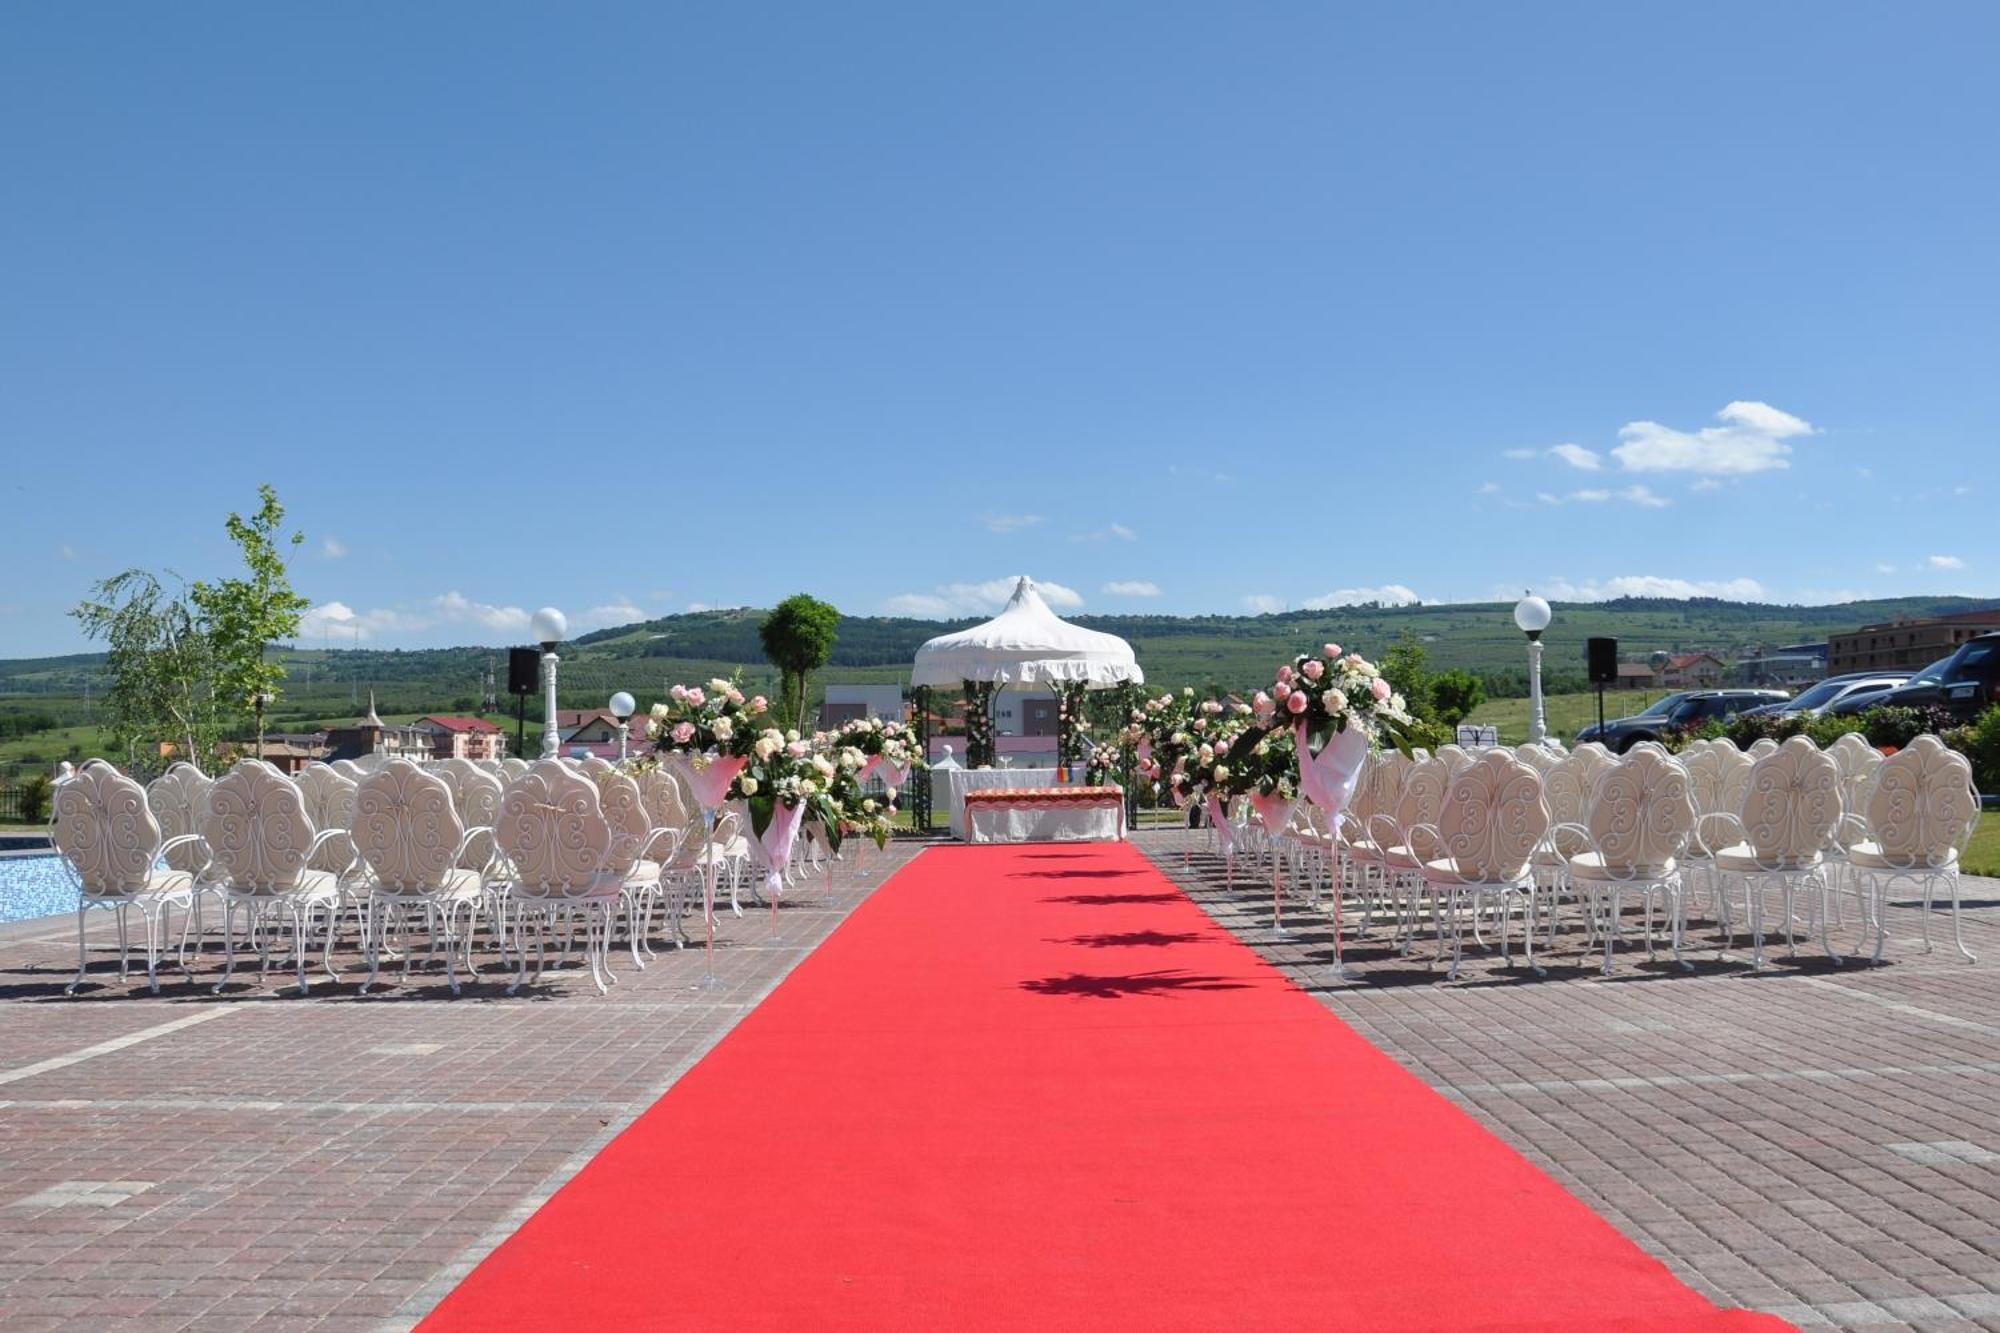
{"x": 1484, "y": 844}
{"x": 1919, "y": 818}
{"x": 1641, "y": 817}
{"x": 410, "y": 838}
{"x": 513, "y": 767}
{"x": 264, "y": 843}
{"x": 638, "y": 848}
{"x": 1419, "y": 801}
{"x": 178, "y": 798}
{"x": 113, "y": 847}
{"x": 557, "y": 843}
{"x": 348, "y": 769}
{"x": 1790, "y": 813}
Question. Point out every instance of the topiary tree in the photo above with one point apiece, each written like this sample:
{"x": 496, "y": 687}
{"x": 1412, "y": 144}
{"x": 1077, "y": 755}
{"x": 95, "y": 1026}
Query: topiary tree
{"x": 798, "y": 637}
{"x": 1455, "y": 694}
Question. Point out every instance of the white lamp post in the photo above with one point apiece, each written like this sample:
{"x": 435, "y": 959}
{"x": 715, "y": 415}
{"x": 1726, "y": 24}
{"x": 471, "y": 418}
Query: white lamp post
{"x": 549, "y": 626}
{"x": 1532, "y": 614}
{"x": 623, "y": 706}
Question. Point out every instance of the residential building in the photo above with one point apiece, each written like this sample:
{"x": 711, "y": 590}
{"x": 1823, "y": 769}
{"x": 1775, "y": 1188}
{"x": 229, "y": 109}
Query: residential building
{"x": 1907, "y": 645}
{"x": 1692, "y": 671}
{"x": 456, "y": 737}
{"x": 847, "y": 703}
{"x": 1787, "y": 667}
{"x": 1635, "y": 676}
{"x": 371, "y": 735}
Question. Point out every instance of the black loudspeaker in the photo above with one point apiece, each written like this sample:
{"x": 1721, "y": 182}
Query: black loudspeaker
{"x": 1603, "y": 661}
{"x": 524, "y": 670}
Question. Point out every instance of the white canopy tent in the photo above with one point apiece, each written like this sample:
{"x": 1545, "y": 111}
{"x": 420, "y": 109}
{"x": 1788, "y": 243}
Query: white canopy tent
{"x": 1027, "y": 644}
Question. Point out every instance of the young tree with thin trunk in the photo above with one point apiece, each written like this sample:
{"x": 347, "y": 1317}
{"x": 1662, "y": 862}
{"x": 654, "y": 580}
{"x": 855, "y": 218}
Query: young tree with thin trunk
{"x": 245, "y": 616}
{"x": 160, "y": 661}
{"x": 798, "y": 638}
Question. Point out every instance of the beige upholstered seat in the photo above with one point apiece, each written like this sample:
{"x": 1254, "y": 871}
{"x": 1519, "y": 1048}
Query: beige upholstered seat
{"x": 1641, "y": 817}
{"x": 108, "y": 838}
{"x": 1492, "y": 820}
{"x": 558, "y": 844}
{"x": 1790, "y": 814}
{"x": 264, "y": 844}
{"x": 1920, "y": 814}
{"x": 408, "y": 834}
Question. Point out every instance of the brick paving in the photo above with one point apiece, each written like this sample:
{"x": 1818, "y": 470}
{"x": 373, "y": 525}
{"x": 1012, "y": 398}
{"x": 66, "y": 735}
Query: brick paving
{"x": 1817, "y": 1141}
{"x": 270, "y": 1161}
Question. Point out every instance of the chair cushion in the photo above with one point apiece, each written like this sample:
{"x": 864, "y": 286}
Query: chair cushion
{"x": 1742, "y": 859}
{"x": 1445, "y": 873}
{"x": 643, "y": 872}
{"x": 1868, "y": 855}
{"x": 1590, "y": 865}
{"x": 1401, "y": 858}
{"x": 159, "y": 884}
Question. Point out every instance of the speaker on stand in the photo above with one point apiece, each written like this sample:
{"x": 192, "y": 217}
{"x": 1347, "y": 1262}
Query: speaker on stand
{"x": 1603, "y": 659}
{"x": 524, "y": 665}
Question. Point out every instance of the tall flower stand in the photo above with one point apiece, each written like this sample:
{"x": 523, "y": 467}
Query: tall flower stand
{"x": 1328, "y": 779}
{"x": 710, "y": 782}
{"x": 774, "y": 850}
{"x": 1275, "y": 812}
{"x": 1225, "y": 837}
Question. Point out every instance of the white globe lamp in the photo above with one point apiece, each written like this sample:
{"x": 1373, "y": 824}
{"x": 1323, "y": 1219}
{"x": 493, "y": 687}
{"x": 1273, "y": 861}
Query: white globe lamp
{"x": 1532, "y": 615}
{"x": 549, "y": 625}
{"x": 623, "y": 705}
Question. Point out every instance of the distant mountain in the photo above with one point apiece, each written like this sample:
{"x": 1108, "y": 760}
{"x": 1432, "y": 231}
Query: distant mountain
{"x": 1231, "y": 651}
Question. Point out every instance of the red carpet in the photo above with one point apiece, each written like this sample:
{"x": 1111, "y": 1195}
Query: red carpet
{"x": 1035, "y": 1088}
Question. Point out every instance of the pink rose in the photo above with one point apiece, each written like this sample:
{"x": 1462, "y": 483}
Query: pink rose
{"x": 696, "y": 697}
{"x": 1333, "y": 650}
{"x": 1280, "y": 690}
{"x": 678, "y": 692}
{"x": 1314, "y": 669}
{"x": 1297, "y": 703}
{"x": 1380, "y": 689}
{"x": 1261, "y": 701}
{"x": 759, "y": 703}
{"x": 1284, "y": 674}
{"x": 683, "y": 732}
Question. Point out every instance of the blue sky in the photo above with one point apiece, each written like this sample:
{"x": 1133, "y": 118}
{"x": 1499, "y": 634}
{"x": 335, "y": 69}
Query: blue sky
{"x": 1180, "y": 307}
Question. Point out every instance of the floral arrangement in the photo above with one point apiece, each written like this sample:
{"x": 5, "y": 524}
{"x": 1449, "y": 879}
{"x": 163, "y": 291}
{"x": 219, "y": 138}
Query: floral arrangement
{"x": 841, "y": 806}
{"x": 1071, "y": 724}
{"x": 1263, "y": 761}
{"x": 1214, "y": 730}
{"x": 1163, "y": 722}
{"x": 1330, "y": 691}
{"x": 979, "y": 751}
{"x": 894, "y": 741}
{"x": 700, "y": 720}
{"x": 781, "y": 771}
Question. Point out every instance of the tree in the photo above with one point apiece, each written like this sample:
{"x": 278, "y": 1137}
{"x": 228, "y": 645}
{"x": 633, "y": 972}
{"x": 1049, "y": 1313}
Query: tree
{"x": 1455, "y": 694}
{"x": 161, "y": 662}
{"x": 245, "y": 616}
{"x": 798, "y": 638}
{"x": 1403, "y": 667}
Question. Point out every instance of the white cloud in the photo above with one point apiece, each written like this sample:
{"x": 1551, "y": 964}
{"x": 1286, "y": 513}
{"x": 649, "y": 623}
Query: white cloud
{"x": 1944, "y": 562}
{"x": 1885, "y": 569}
{"x": 1004, "y": 523}
{"x": 1642, "y": 496}
{"x": 338, "y": 620}
{"x": 966, "y": 599}
{"x": 455, "y": 607}
{"x": 1751, "y": 438}
{"x": 1578, "y": 457}
{"x": 1705, "y": 484}
{"x": 1115, "y": 530}
{"x": 698, "y": 606}
{"x": 1125, "y": 534}
{"x": 1389, "y": 594}
{"x": 1489, "y": 488}
{"x": 1262, "y": 604}
{"x": 66, "y": 551}
{"x": 332, "y": 547}
{"x": 1640, "y": 585}
{"x": 1132, "y": 588}
{"x": 612, "y": 613}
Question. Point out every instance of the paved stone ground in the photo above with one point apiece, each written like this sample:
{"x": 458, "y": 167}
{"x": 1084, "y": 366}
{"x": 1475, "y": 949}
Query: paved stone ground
{"x": 262, "y": 1160}
{"x": 1817, "y": 1141}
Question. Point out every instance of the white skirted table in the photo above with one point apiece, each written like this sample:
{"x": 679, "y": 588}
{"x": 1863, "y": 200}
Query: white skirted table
{"x": 960, "y": 781}
{"x": 1045, "y": 814}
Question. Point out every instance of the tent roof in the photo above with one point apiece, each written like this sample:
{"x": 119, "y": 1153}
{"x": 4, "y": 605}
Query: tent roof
{"x": 1027, "y": 644}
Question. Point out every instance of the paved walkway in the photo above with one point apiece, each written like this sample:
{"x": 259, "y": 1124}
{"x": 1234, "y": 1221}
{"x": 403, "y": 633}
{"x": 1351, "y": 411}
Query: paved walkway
{"x": 1815, "y": 1141}
{"x": 333, "y": 1162}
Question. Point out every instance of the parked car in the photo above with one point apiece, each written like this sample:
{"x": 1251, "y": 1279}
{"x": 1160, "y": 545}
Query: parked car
{"x": 1821, "y": 698}
{"x": 1696, "y": 708}
{"x": 1657, "y": 709}
{"x": 1965, "y": 684}
{"x": 1930, "y": 675}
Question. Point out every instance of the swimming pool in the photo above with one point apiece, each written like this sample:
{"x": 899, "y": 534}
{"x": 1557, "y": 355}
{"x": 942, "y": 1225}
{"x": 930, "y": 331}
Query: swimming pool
{"x": 32, "y": 886}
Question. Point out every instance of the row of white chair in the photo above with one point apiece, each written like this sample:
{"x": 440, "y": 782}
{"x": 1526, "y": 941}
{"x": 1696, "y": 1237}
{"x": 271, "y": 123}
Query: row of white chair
{"x": 1536, "y": 827}
{"x": 444, "y": 844}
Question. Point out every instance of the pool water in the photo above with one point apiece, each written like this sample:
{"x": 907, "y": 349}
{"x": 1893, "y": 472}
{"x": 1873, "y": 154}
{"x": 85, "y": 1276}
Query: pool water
{"x": 35, "y": 885}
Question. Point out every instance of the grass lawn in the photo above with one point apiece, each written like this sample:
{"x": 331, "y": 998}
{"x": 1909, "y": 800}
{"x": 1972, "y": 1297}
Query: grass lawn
{"x": 1983, "y": 857}
{"x": 1566, "y": 712}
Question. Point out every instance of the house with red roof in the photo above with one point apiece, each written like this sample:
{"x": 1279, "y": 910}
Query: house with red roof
{"x": 1692, "y": 671}
{"x": 454, "y": 737}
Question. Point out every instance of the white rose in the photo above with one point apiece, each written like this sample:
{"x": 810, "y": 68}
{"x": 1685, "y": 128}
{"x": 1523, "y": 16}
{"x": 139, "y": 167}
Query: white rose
{"x": 724, "y": 729}
{"x": 659, "y": 712}
{"x": 748, "y": 784}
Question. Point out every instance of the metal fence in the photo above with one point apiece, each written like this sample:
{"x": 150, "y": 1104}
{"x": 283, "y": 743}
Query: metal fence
{"x": 18, "y": 805}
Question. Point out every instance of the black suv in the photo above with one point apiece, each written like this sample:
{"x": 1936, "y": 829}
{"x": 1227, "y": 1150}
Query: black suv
{"x": 1965, "y": 684}
{"x": 1692, "y": 711}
